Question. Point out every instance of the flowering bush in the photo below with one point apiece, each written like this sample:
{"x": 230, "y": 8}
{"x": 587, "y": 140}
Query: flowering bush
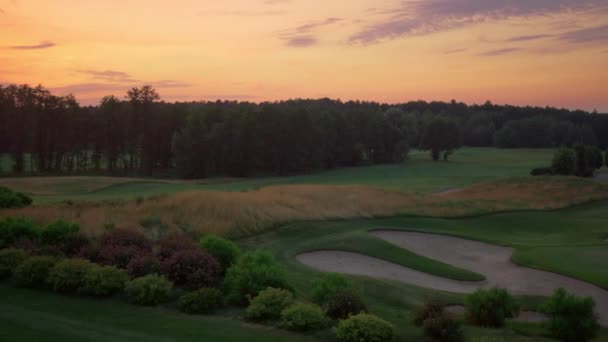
{"x": 192, "y": 268}
{"x": 104, "y": 281}
{"x": 172, "y": 243}
{"x": 143, "y": 265}
{"x": 69, "y": 275}
{"x": 119, "y": 246}
{"x": 149, "y": 290}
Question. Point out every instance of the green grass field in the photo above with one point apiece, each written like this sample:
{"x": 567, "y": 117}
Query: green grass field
{"x": 418, "y": 174}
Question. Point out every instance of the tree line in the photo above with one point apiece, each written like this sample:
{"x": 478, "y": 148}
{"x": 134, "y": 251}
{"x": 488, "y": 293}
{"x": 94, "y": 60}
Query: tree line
{"x": 141, "y": 135}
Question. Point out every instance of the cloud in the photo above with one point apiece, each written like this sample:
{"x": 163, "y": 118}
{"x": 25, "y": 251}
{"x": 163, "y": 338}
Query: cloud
{"x": 420, "y": 17}
{"x": 588, "y": 35}
{"x": 302, "y": 36}
{"x": 42, "y": 45}
{"x": 2, "y": 11}
{"x": 449, "y": 52}
{"x": 499, "y": 52}
{"x": 242, "y": 13}
{"x": 109, "y": 75}
{"x": 528, "y": 37}
{"x": 97, "y": 87}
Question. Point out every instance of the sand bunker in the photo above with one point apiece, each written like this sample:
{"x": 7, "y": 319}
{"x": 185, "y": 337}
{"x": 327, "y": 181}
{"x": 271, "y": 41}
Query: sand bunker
{"x": 494, "y": 262}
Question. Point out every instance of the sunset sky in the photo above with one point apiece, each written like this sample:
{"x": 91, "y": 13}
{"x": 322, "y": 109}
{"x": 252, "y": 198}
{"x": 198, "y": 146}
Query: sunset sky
{"x": 524, "y": 52}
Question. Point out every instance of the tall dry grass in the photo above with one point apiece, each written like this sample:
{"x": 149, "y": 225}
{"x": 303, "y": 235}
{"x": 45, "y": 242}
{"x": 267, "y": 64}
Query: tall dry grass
{"x": 254, "y": 211}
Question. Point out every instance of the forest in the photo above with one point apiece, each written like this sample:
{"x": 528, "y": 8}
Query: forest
{"x": 139, "y": 134}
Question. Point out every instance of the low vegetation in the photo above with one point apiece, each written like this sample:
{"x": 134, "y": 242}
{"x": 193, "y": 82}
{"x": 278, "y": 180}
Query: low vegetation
{"x": 149, "y": 290}
{"x": 364, "y": 327}
{"x": 490, "y": 308}
{"x": 268, "y": 304}
{"x": 203, "y": 301}
{"x": 303, "y": 317}
{"x": 572, "y": 318}
{"x": 13, "y": 199}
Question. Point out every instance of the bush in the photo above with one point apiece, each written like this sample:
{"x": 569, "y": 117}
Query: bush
{"x": 225, "y": 251}
{"x": 328, "y": 285}
{"x": 344, "y": 304}
{"x": 10, "y": 258}
{"x": 69, "y": 275}
{"x": 594, "y": 157}
{"x": 149, "y": 290}
{"x": 12, "y": 199}
{"x": 205, "y": 300}
{"x": 490, "y": 308}
{"x": 268, "y": 304}
{"x": 571, "y": 318}
{"x": 12, "y": 230}
{"x": 34, "y": 271}
{"x": 541, "y": 171}
{"x": 143, "y": 265}
{"x": 119, "y": 246}
{"x": 104, "y": 281}
{"x": 252, "y": 273}
{"x": 564, "y": 162}
{"x": 431, "y": 308}
{"x": 173, "y": 243}
{"x": 443, "y": 328}
{"x": 192, "y": 268}
{"x": 303, "y": 317}
{"x": 58, "y": 232}
{"x": 364, "y": 327}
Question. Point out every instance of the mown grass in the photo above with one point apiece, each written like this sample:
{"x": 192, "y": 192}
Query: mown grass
{"x": 35, "y": 315}
{"x": 418, "y": 174}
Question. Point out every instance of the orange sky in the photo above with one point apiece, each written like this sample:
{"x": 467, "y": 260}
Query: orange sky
{"x": 527, "y": 52}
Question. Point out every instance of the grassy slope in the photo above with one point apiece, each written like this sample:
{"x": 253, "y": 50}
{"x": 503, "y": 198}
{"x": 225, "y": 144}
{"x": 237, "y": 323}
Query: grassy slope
{"x": 419, "y": 174}
{"x": 29, "y": 315}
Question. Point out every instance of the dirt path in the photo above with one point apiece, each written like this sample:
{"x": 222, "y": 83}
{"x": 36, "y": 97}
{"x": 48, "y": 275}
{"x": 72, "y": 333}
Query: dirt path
{"x": 490, "y": 260}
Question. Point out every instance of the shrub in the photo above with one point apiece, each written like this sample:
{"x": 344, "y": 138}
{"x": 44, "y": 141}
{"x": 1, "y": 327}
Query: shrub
{"x": 564, "y": 161}
{"x": 74, "y": 243}
{"x": 572, "y": 318}
{"x": 12, "y": 230}
{"x": 192, "y": 268}
{"x": 34, "y": 271}
{"x": 328, "y": 285}
{"x": 69, "y": 275}
{"x": 149, "y": 290}
{"x": 594, "y": 157}
{"x": 104, "y": 281}
{"x": 252, "y": 273}
{"x": 10, "y": 258}
{"x": 443, "y": 328}
{"x": 202, "y": 301}
{"x": 12, "y": 199}
{"x": 58, "y": 232}
{"x": 344, "y": 304}
{"x": 541, "y": 171}
{"x": 173, "y": 243}
{"x": 268, "y": 304}
{"x": 119, "y": 246}
{"x": 303, "y": 317}
{"x": 143, "y": 265}
{"x": 431, "y": 308}
{"x": 490, "y": 308}
{"x": 225, "y": 251}
{"x": 364, "y": 327}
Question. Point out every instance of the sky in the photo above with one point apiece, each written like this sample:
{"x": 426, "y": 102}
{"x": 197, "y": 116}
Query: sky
{"x": 521, "y": 52}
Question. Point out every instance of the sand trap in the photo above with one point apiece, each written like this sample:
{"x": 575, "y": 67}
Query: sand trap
{"x": 494, "y": 262}
{"x": 524, "y": 316}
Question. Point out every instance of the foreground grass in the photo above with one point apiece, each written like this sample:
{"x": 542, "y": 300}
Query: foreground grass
{"x": 419, "y": 174}
{"x": 30, "y": 315}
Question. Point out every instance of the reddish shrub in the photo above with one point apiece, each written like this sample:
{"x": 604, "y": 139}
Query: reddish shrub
{"x": 143, "y": 265}
{"x": 119, "y": 246}
{"x": 192, "y": 268}
{"x": 175, "y": 242}
{"x": 88, "y": 252}
{"x": 26, "y": 245}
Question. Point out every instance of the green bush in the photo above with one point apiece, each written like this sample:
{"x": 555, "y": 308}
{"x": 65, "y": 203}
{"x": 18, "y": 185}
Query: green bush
{"x": 443, "y": 328}
{"x": 69, "y": 275}
{"x": 328, "y": 285}
{"x": 104, "y": 281}
{"x": 225, "y": 251}
{"x": 572, "y": 318}
{"x": 10, "y": 258}
{"x": 252, "y": 273}
{"x": 303, "y": 317}
{"x": 344, "y": 304}
{"x": 13, "y": 199}
{"x": 12, "y": 230}
{"x": 364, "y": 327}
{"x": 432, "y": 307}
{"x": 34, "y": 271}
{"x": 490, "y": 308}
{"x": 268, "y": 304}
{"x": 205, "y": 300}
{"x": 149, "y": 290}
{"x": 564, "y": 162}
{"x": 58, "y": 232}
